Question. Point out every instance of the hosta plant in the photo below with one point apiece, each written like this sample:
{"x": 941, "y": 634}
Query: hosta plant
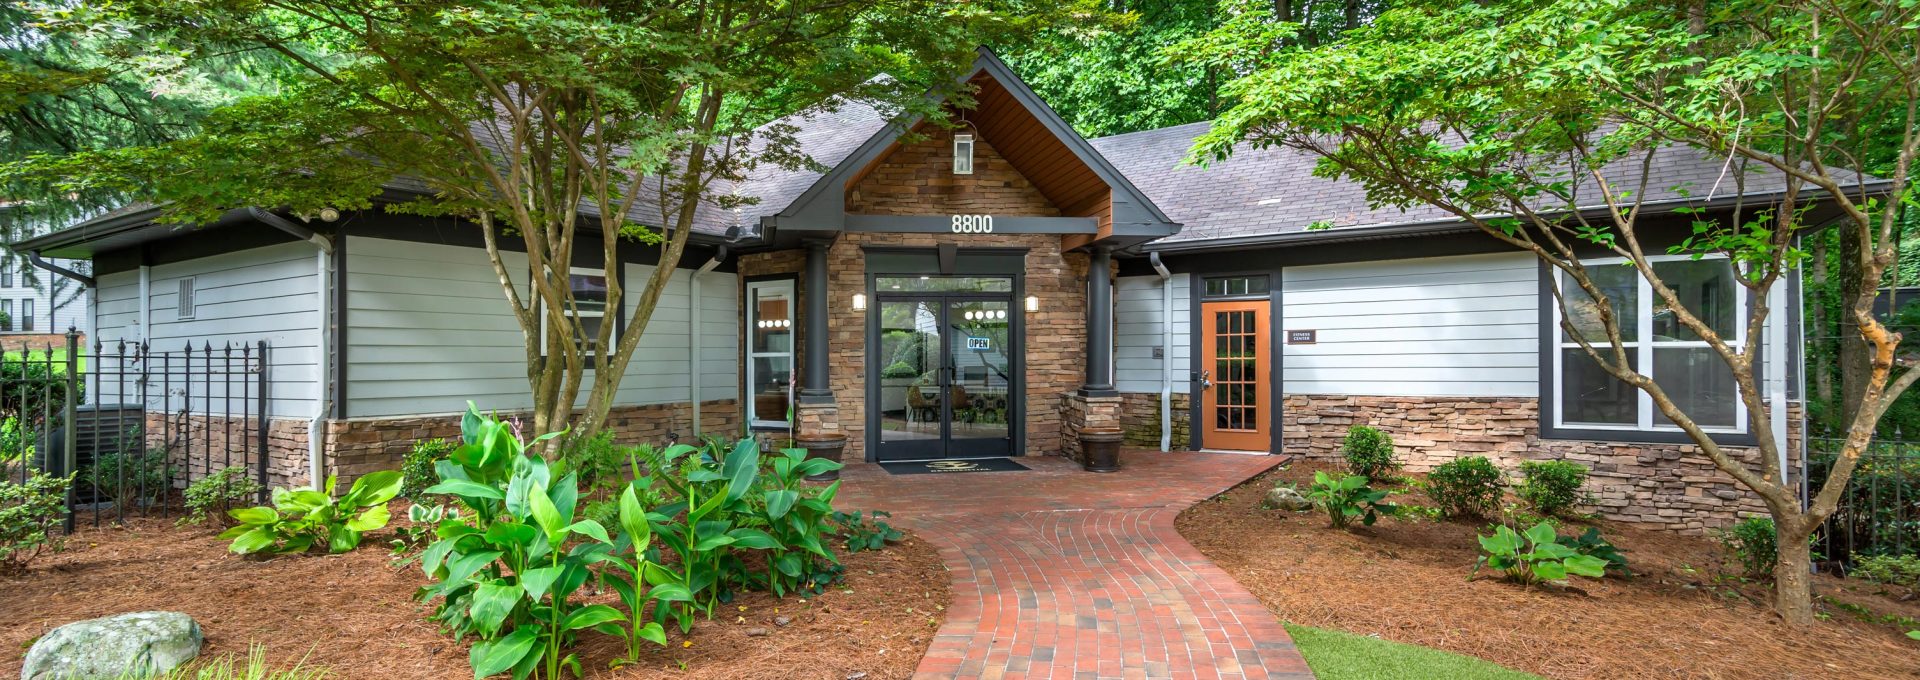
{"x": 303, "y": 519}
{"x": 1535, "y": 556}
{"x": 866, "y": 533}
{"x": 1592, "y": 543}
{"x": 1348, "y": 499}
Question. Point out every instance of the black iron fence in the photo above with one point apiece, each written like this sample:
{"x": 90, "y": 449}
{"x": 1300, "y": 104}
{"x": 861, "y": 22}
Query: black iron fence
{"x": 133, "y": 425}
{"x": 1879, "y": 514}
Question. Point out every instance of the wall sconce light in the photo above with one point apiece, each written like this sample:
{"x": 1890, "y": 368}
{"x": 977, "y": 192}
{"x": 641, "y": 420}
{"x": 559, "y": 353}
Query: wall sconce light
{"x": 963, "y": 154}
{"x": 859, "y": 302}
{"x": 1033, "y": 303}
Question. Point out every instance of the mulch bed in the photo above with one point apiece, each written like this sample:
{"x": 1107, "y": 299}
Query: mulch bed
{"x": 1407, "y": 581}
{"x": 354, "y": 613}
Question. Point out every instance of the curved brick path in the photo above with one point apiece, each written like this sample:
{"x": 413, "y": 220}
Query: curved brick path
{"x": 1059, "y": 573}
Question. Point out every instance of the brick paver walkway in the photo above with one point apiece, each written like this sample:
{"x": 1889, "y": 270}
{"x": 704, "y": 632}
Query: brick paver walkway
{"x": 1059, "y": 573}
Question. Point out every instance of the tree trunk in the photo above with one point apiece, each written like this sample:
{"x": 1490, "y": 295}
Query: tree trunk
{"x": 1792, "y": 586}
{"x": 1353, "y": 15}
{"x": 1856, "y": 358}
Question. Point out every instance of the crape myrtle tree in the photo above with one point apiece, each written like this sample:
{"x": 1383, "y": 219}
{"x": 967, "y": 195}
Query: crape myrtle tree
{"x": 559, "y": 125}
{"x": 1512, "y": 114}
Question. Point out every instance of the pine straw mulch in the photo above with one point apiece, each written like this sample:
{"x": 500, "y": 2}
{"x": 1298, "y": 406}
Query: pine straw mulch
{"x": 1407, "y": 581}
{"x": 354, "y": 613}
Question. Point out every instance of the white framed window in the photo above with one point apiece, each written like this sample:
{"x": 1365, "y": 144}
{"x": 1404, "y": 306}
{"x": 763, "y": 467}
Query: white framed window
{"x": 1586, "y": 397}
{"x": 6, "y": 310}
{"x": 770, "y": 341}
{"x": 184, "y": 299}
{"x": 590, "y": 290}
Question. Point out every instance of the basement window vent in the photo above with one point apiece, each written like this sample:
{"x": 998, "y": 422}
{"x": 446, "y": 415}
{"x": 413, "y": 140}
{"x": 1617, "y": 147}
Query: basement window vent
{"x": 186, "y": 298}
{"x": 963, "y": 154}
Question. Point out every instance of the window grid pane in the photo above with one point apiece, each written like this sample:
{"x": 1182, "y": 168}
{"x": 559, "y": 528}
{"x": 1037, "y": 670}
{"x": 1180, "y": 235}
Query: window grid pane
{"x": 1682, "y": 364}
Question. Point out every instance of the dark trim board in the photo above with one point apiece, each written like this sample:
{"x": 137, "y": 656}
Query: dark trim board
{"x": 341, "y": 405}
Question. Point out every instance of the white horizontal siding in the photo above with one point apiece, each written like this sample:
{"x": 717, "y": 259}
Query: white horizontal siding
{"x": 428, "y": 329}
{"x": 1443, "y": 326}
{"x": 240, "y": 299}
{"x": 1137, "y": 314}
{"x": 73, "y": 310}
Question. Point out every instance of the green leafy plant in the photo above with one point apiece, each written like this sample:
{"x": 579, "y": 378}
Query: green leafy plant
{"x": 1591, "y": 543}
{"x": 416, "y": 469}
{"x": 503, "y": 571}
{"x": 1370, "y": 453}
{"x": 598, "y": 462}
{"x": 1535, "y": 556}
{"x": 303, "y": 519}
{"x": 1347, "y": 499}
{"x": 1898, "y": 570}
{"x": 29, "y": 513}
{"x": 15, "y": 445}
{"x": 213, "y": 495}
{"x": 1752, "y": 542}
{"x": 132, "y": 477}
{"x": 865, "y": 533}
{"x": 899, "y": 369}
{"x": 422, "y": 522}
{"x": 1466, "y": 487}
{"x": 1551, "y": 487}
{"x": 799, "y": 519}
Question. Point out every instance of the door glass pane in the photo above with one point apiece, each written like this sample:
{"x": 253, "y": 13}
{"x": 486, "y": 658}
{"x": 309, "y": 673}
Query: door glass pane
{"x": 1236, "y": 371}
{"x": 1621, "y": 285}
{"x": 982, "y": 374}
{"x": 911, "y": 360}
{"x": 1590, "y": 395}
{"x": 1705, "y": 288}
{"x": 772, "y": 318}
{"x": 771, "y": 376}
{"x": 1698, "y": 382}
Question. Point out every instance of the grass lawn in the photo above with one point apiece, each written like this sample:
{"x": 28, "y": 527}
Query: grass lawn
{"x": 1334, "y": 655}
{"x": 59, "y": 356}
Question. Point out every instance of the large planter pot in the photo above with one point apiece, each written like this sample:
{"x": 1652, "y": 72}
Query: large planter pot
{"x": 828, "y": 446}
{"x": 1101, "y": 445}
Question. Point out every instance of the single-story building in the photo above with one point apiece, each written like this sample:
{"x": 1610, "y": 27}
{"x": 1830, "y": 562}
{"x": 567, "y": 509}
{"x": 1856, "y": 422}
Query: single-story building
{"x": 932, "y": 299}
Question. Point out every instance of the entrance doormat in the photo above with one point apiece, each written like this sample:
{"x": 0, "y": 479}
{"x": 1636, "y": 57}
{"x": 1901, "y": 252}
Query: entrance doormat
{"x": 921, "y": 467}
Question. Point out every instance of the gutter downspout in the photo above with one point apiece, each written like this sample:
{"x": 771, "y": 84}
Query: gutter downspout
{"x": 1777, "y": 372}
{"x": 33, "y": 257}
{"x": 693, "y": 351}
{"x": 1166, "y": 351}
{"x": 323, "y": 293}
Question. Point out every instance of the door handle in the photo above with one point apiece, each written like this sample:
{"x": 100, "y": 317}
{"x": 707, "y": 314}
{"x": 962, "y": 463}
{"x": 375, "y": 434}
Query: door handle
{"x": 1205, "y": 383}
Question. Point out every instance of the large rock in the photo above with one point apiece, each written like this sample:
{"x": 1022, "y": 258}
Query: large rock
{"x": 1288, "y": 498}
{"x": 126, "y": 645}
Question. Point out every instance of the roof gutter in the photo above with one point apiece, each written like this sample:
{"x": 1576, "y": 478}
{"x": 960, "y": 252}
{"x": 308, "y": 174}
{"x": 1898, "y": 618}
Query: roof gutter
{"x": 1450, "y": 225}
{"x": 33, "y": 256}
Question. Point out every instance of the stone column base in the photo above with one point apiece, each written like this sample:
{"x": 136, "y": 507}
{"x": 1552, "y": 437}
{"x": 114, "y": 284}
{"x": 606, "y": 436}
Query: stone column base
{"x": 1080, "y": 412}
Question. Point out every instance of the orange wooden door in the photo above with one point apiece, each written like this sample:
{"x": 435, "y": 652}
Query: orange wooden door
{"x": 1235, "y": 409}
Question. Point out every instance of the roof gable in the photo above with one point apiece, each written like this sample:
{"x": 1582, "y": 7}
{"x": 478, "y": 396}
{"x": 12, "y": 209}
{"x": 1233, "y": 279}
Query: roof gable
{"x": 1064, "y": 167}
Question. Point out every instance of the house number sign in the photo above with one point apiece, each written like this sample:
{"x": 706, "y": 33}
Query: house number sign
{"x": 973, "y": 224}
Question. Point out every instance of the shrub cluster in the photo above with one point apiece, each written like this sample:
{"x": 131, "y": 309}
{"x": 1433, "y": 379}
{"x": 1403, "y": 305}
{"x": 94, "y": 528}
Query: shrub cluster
{"x": 416, "y": 469}
{"x": 1752, "y": 542}
{"x": 28, "y": 512}
{"x": 1898, "y": 570}
{"x": 1551, "y": 487}
{"x": 215, "y": 494}
{"x": 1370, "y": 453}
{"x": 1466, "y": 487}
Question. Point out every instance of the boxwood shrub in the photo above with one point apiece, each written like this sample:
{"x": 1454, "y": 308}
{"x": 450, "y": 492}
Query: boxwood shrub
{"x": 1551, "y": 487}
{"x": 1370, "y": 453}
{"x": 1466, "y": 487}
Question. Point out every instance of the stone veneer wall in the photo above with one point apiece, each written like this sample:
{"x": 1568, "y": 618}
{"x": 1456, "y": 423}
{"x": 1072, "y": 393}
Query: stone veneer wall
{"x": 356, "y": 447}
{"x": 1140, "y": 418}
{"x": 201, "y": 445}
{"x": 1672, "y": 486}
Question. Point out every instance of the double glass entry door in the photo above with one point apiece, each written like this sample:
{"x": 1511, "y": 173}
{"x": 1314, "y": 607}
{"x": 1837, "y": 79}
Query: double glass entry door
{"x": 946, "y": 377}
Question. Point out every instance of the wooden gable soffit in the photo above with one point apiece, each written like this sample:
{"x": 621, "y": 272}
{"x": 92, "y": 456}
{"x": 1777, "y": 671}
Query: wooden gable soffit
{"x": 1095, "y": 202}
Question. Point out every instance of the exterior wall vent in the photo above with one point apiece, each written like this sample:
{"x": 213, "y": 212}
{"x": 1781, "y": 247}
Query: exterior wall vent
{"x": 186, "y": 304}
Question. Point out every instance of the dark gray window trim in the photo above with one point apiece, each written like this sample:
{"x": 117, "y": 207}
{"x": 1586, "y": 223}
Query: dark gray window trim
{"x": 746, "y": 346}
{"x": 870, "y": 388}
{"x": 1276, "y": 345}
{"x": 341, "y": 407}
{"x": 1547, "y": 333}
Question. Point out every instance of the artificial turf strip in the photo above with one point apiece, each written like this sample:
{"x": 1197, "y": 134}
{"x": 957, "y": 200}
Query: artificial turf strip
{"x": 1335, "y": 655}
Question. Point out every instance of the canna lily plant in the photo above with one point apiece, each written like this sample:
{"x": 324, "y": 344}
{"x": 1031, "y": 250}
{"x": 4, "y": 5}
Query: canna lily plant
{"x": 301, "y": 519}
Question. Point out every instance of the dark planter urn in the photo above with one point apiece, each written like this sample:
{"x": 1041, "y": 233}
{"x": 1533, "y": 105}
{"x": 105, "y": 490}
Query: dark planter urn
{"x": 828, "y": 446}
{"x": 1101, "y": 445}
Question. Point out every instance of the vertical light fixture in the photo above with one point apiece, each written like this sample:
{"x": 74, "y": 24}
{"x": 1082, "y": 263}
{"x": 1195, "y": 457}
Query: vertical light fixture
{"x": 963, "y": 154}
{"x": 859, "y": 302}
{"x": 1033, "y": 303}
